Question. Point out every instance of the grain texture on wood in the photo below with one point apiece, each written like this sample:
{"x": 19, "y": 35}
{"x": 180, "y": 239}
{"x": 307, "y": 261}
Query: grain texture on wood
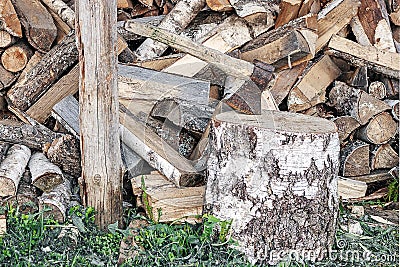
{"x": 395, "y": 108}
{"x": 45, "y": 175}
{"x": 9, "y": 19}
{"x": 350, "y": 188}
{"x": 268, "y": 178}
{"x": 7, "y": 78}
{"x": 354, "y": 159}
{"x": 38, "y": 23}
{"x": 383, "y": 157}
{"x": 219, "y": 5}
{"x": 12, "y": 169}
{"x": 346, "y": 125}
{"x": 377, "y": 89}
{"x": 15, "y": 57}
{"x": 57, "y": 200}
{"x": 379, "y": 130}
{"x": 289, "y": 10}
{"x": 6, "y": 39}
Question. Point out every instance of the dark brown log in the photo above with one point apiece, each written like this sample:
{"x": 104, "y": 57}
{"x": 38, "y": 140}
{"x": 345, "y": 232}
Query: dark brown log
{"x": 38, "y": 23}
{"x": 354, "y": 159}
{"x": 380, "y": 129}
{"x": 9, "y": 19}
{"x": 12, "y": 169}
{"x": 44, "y": 74}
{"x": 7, "y": 78}
{"x": 355, "y": 102}
{"x": 392, "y": 87}
{"x": 268, "y": 178}
{"x": 289, "y": 10}
{"x": 56, "y": 202}
{"x": 45, "y": 175}
{"x": 346, "y": 125}
{"x": 383, "y": 157}
{"x": 15, "y": 57}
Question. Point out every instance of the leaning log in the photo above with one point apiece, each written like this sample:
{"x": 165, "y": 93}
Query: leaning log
{"x": 269, "y": 178}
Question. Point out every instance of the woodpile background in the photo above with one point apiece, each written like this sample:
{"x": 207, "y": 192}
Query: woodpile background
{"x": 337, "y": 60}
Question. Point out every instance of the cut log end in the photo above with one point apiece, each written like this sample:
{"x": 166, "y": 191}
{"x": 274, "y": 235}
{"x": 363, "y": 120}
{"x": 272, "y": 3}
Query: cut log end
{"x": 16, "y": 57}
{"x": 7, "y": 187}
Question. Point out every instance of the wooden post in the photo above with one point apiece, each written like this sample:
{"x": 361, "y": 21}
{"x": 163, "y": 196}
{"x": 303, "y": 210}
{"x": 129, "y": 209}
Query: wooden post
{"x": 96, "y": 32}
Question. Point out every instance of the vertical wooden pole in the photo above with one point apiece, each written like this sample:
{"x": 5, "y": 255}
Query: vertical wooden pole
{"x": 100, "y": 145}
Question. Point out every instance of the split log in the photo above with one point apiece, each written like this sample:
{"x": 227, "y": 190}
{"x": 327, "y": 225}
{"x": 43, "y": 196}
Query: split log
{"x": 380, "y": 61}
{"x": 129, "y": 36}
{"x": 156, "y": 151}
{"x": 9, "y": 19}
{"x": 176, "y": 204}
{"x": 7, "y": 78}
{"x": 395, "y": 17}
{"x": 394, "y": 172}
{"x": 280, "y": 181}
{"x": 354, "y": 102}
{"x": 134, "y": 165}
{"x": 62, "y": 28}
{"x": 374, "y": 177}
{"x": 375, "y": 22}
{"x": 36, "y": 57}
{"x": 57, "y": 200}
{"x": 176, "y": 21}
{"x": 395, "y": 108}
{"x": 377, "y": 89}
{"x": 6, "y": 39}
{"x": 128, "y": 3}
{"x": 49, "y": 69}
{"x": 159, "y": 63}
{"x": 333, "y": 18}
{"x": 310, "y": 88}
{"x": 45, "y": 175}
{"x": 38, "y": 23}
{"x": 3, "y": 224}
{"x": 380, "y": 129}
{"x": 309, "y": 6}
{"x": 255, "y": 10}
{"x": 383, "y": 157}
{"x": 289, "y": 10}
{"x": 350, "y": 188}
{"x": 354, "y": 159}
{"x": 15, "y": 57}
{"x": 346, "y": 125}
{"x": 4, "y": 146}
{"x": 359, "y": 78}
{"x": 219, "y": 5}
{"x": 392, "y": 87}
{"x": 358, "y": 31}
{"x": 12, "y": 169}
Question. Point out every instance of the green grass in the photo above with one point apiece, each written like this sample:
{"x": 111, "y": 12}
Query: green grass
{"x": 34, "y": 240}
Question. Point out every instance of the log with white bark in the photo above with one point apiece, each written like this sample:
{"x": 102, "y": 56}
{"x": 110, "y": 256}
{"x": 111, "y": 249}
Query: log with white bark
{"x": 176, "y": 21}
{"x": 383, "y": 157}
{"x": 354, "y": 102}
{"x": 9, "y": 19}
{"x": 45, "y": 175}
{"x": 15, "y": 57}
{"x": 38, "y": 23}
{"x": 255, "y": 10}
{"x": 354, "y": 159}
{"x": 56, "y": 202}
{"x": 379, "y": 130}
{"x": 66, "y": 13}
{"x": 263, "y": 175}
{"x": 12, "y": 169}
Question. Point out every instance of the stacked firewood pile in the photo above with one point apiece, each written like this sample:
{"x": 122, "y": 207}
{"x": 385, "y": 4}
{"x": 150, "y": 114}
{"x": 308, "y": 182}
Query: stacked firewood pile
{"x": 337, "y": 60}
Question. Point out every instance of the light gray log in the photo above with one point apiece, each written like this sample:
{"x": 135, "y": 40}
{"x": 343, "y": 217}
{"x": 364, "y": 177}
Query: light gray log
{"x": 57, "y": 200}
{"x": 45, "y": 175}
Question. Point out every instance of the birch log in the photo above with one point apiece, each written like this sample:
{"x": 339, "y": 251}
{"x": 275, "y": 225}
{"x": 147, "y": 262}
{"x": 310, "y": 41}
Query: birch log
{"x": 57, "y": 200}
{"x": 176, "y": 21}
{"x": 45, "y": 175}
{"x": 12, "y": 168}
{"x": 263, "y": 175}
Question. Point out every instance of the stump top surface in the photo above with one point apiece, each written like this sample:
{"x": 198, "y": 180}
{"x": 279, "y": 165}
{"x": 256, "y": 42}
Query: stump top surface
{"x": 280, "y": 121}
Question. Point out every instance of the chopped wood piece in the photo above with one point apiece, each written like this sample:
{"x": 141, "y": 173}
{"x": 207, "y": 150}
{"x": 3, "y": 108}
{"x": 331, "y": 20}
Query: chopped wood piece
{"x": 359, "y": 32}
{"x": 377, "y": 89}
{"x": 45, "y": 175}
{"x": 9, "y": 19}
{"x": 7, "y": 78}
{"x": 384, "y": 157}
{"x": 310, "y": 89}
{"x": 44, "y": 73}
{"x": 309, "y": 6}
{"x": 66, "y": 13}
{"x": 392, "y": 87}
{"x": 380, "y": 129}
{"x": 355, "y": 102}
{"x": 219, "y": 5}
{"x": 375, "y": 22}
{"x": 134, "y": 165}
{"x": 38, "y": 23}
{"x": 156, "y": 151}
{"x": 249, "y": 8}
{"x": 359, "y": 78}
{"x": 176, "y": 204}
{"x": 159, "y": 63}
{"x": 6, "y": 39}
{"x": 394, "y": 172}
{"x": 380, "y": 61}
{"x": 12, "y": 169}
{"x": 289, "y": 10}
{"x": 57, "y": 200}
{"x": 333, "y": 18}
{"x": 128, "y": 3}
{"x": 15, "y": 57}
{"x": 395, "y": 108}
{"x": 36, "y": 57}
{"x": 280, "y": 175}
{"x": 395, "y": 17}
{"x": 354, "y": 159}
{"x": 346, "y": 125}
{"x": 62, "y": 28}
{"x": 176, "y": 21}
{"x": 373, "y": 177}
{"x": 351, "y": 188}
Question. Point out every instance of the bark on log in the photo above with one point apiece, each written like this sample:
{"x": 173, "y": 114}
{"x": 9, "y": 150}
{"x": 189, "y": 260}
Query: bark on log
{"x": 395, "y": 108}
{"x": 380, "y": 129}
{"x": 45, "y": 175}
{"x": 176, "y": 21}
{"x": 377, "y": 89}
{"x": 270, "y": 184}
{"x": 383, "y": 157}
{"x": 346, "y": 125}
{"x": 354, "y": 159}
{"x": 9, "y": 19}
{"x": 57, "y": 200}
{"x": 12, "y": 169}
{"x": 4, "y": 146}
{"x": 38, "y": 23}
{"x": 7, "y": 78}
{"x": 355, "y": 102}
{"x": 44, "y": 74}
{"x": 255, "y": 10}
{"x": 63, "y": 11}
{"x": 6, "y": 39}
{"x": 16, "y": 57}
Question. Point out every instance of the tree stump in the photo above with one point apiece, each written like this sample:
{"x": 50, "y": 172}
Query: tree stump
{"x": 275, "y": 175}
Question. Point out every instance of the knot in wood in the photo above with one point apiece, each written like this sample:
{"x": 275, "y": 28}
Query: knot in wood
{"x": 96, "y": 179}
